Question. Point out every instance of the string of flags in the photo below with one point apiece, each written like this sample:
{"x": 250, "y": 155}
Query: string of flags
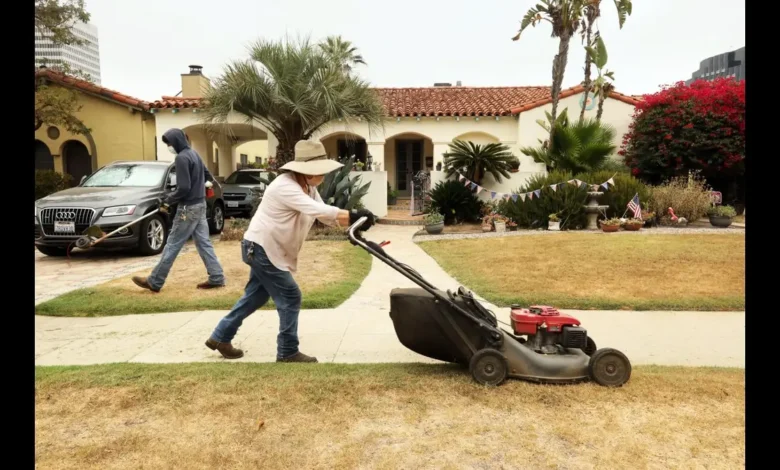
{"x": 531, "y": 194}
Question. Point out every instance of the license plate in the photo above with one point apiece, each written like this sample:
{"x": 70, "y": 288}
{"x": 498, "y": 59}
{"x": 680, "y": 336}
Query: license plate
{"x": 64, "y": 227}
{"x": 232, "y": 204}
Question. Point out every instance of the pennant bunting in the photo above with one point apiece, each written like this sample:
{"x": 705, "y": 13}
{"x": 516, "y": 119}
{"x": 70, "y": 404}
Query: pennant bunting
{"x": 522, "y": 197}
{"x": 611, "y": 182}
{"x": 529, "y": 196}
{"x": 605, "y": 185}
{"x": 554, "y": 187}
{"x": 492, "y": 194}
{"x": 514, "y": 198}
{"x": 538, "y": 193}
{"x": 460, "y": 177}
{"x": 473, "y": 185}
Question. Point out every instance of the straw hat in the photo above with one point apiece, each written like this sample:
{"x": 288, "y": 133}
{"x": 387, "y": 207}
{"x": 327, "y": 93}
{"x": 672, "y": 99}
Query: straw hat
{"x": 311, "y": 159}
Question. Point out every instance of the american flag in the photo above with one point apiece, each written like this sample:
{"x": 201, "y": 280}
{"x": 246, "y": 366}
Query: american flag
{"x": 634, "y": 206}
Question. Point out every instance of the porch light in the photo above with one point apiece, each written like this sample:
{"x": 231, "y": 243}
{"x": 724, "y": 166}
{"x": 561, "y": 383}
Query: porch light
{"x": 175, "y": 110}
{"x": 476, "y": 118}
{"x": 398, "y": 119}
{"x": 498, "y": 118}
{"x": 418, "y": 118}
{"x": 369, "y": 161}
{"x": 457, "y": 118}
{"x": 195, "y": 110}
{"x": 437, "y": 118}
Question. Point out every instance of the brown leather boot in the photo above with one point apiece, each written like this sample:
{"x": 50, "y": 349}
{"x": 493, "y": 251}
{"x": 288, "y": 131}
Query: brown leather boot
{"x": 226, "y": 349}
{"x": 143, "y": 283}
{"x": 208, "y": 285}
{"x": 298, "y": 357}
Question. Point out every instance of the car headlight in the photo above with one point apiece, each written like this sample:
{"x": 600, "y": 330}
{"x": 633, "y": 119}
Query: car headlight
{"x": 118, "y": 210}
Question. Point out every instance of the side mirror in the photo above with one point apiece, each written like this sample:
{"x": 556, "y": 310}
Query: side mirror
{"x": 171, "y": 182}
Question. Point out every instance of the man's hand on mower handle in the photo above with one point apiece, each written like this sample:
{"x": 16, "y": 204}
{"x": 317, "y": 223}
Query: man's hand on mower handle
{"x": 355, "y": 215}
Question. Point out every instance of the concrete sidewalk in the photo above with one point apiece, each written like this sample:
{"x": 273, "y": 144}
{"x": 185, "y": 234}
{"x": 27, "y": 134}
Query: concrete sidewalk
{"x": 360, "y": 330}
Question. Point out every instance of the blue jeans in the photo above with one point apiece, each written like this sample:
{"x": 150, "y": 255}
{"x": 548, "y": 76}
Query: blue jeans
{"x": 265, "y": 281}
{"x": 189, "y": 221}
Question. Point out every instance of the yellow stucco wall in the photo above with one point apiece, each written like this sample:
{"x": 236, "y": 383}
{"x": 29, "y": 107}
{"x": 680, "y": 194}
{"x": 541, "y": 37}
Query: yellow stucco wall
{"x": 118, "y": 133}
{"x": 253, "y": 149}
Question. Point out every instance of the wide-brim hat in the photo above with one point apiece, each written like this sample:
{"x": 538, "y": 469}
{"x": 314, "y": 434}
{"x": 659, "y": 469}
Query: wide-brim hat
{"x": 311, "y": 159}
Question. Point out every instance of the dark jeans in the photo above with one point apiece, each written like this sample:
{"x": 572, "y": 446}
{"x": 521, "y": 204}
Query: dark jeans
{"x": 265, "y": 281}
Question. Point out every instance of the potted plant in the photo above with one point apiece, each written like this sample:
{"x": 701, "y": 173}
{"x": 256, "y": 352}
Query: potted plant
{"x": 721, "y": 216}
{"x": 515, "y": 166}
{"x": 555, "y": 222}
{"x": 511, "y": 225}
{"x": 359, "y": 166}
{"x": 499, "y": 222}
{"x": 392, "y": 195}
{"x": 487, "y": 223}
{"x": 434, "y": 223}
{"x": 610, "y": 225}
{"x": 438, "y": 166}
{"x": 633, "y": 224}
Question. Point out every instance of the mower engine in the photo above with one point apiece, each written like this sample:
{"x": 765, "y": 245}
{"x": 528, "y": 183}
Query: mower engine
{"x": 549, "y": 331}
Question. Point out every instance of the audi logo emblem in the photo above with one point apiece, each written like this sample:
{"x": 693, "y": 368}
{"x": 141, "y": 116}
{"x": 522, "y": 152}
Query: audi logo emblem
{"x": 66, "y": 215}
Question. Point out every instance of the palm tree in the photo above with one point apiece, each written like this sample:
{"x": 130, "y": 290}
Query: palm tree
{"x": 577, "y": 147}
{"x": 591, "y": 13}
{"x": 342, "y": 52}
{"x": 601, "y": 87}
{"x": 477, "y": 160}
{"x": 291, "y": 89}
{"x": 564, "y": 17}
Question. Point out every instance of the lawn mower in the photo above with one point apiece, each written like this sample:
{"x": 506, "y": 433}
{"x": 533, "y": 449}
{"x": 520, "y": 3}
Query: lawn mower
{"x": 545, "y": 345}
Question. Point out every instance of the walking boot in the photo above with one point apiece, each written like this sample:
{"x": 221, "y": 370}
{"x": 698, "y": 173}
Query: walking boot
{"x": 297, "y": 357}
{"x": 226, "y": 349}
{"x": 142, "y": 282}
{"x": 208, "y": 285}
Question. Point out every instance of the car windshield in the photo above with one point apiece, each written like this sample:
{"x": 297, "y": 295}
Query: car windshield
{"x": 244, "y": 177}
{"x": 127, "y": 175}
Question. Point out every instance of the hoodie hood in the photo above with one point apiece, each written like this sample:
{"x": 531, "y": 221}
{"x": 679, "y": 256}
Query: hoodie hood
{"x": 176, "y": 139}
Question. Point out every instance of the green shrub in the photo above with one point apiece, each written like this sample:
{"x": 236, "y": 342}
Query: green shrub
{"x": 566, "y": 201}
{"x": 433, "y": 218}
{"x": 455, "y": 202}
{"x": 722, "y": 211}
{"x": 49, "y": 182}
{"x": 234, "y": 230}
{"x": 689, "y": 197}
{"x": 618, "y": 196}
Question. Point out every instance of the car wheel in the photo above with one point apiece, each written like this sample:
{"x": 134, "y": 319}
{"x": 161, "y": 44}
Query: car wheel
{"x": 152, "y": 236}
{"x": 217, "y": 221}
{"x": 51, "y": 250}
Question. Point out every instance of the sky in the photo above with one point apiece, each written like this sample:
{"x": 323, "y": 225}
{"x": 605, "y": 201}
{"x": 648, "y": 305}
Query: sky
{"x": 145, "y": 45}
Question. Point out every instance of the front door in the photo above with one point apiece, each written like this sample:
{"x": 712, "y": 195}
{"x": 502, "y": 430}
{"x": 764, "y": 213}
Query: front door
{"x": 408, "y": 161}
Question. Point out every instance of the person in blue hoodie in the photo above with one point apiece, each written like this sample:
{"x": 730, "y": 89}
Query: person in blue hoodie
{"x": 190, "y": 218}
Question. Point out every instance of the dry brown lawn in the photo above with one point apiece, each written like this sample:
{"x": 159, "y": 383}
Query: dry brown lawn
{"x": 385, "y": 416}
{"x": 602, "y": 271}
{"x": 328, "y": 273}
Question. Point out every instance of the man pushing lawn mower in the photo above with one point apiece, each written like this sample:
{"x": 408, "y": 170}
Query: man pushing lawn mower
{"x": 271, "y": 245}
{"x": 192, "y": 176}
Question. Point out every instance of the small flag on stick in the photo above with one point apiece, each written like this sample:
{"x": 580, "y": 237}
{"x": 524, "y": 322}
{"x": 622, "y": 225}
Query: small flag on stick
{"x": 634, "y": 206}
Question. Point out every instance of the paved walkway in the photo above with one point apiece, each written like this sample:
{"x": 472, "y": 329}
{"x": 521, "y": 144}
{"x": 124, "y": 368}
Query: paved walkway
{"x": 360, "y": 330}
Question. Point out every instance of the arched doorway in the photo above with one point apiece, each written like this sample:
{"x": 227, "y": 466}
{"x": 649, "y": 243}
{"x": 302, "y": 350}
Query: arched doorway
{"x": 43, "y": 158}
{"x": 76, "y": 160}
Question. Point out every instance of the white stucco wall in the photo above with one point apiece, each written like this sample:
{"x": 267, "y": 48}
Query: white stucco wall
{"x": 376, "y": 199}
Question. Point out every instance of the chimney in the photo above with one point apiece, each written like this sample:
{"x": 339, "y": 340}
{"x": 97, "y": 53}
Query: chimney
{"x": 194, "y": 84}
{"x": 457, "y": 83}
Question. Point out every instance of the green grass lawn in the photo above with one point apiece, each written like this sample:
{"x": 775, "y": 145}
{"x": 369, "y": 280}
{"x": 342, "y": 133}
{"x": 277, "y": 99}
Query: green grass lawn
{"x": 382, "y": 416}
{"x": 603, "y": 272}
{"x": 329, "y": 272}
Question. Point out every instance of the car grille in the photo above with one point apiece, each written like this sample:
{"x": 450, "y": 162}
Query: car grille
{"x": 81, "y": 216}
{"x": 234, "y": 196}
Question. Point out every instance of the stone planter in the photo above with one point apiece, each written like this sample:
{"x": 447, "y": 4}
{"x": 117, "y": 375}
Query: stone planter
{"x": 610, "y": 228}
{"x": 633, "y": 227}
{"x": 392, "y": 200}
{"x": 435, "y": 229}
{"x": 554, "y": 226}
{"x": 500, "y": 227}
{"x": 720, "y": 221}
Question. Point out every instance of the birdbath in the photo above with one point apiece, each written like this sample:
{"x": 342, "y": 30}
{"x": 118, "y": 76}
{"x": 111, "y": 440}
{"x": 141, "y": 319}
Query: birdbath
{"x": 592, "y": 208}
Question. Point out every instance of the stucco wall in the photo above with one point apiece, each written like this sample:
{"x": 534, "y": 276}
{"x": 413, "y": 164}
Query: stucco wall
{"x": 376, "y": 199}
{"x": 253, "y": 149}
{"x": 117, "y": 132}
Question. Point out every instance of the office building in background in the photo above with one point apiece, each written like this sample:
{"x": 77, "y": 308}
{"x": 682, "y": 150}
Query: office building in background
{"x": 729, "y": 64}
{"x": 85, "y": 58}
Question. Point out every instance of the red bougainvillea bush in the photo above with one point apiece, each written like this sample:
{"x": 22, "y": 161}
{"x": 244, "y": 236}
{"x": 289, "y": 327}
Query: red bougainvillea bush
{"x": 700, "y": 126}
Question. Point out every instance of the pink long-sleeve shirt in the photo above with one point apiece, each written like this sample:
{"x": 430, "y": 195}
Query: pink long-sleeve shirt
{"x": 284, "y": 218}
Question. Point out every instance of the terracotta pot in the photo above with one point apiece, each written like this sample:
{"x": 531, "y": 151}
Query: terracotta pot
{"x": 610, "y": 228}
{"x": 487, "y": 228}
{"x": 633, "y": 227}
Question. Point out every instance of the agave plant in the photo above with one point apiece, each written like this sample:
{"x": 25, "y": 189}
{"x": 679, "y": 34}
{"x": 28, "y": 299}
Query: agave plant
{"x": 337, "y": 189}
{"x": 477, "y": 160}
{"x": 576, "y": 147}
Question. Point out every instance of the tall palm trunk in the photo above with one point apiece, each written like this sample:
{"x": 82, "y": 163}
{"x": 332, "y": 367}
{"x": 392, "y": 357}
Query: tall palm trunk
{"x": 602, "y": 97}
{"x": 587, "y": 82}
{"x": 285, "y": 152}
{"x": 559, "y": 67}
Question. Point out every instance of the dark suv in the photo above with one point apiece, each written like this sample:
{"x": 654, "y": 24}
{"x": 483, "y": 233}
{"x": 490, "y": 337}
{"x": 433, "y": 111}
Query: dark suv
{"x": 240, "y": 188}
{"x": 110, "y": 198}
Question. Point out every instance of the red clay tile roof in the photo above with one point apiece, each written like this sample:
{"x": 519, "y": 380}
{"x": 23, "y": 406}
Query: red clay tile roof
{"x": 446, "y": 101}
{"x": 91, "y": 88}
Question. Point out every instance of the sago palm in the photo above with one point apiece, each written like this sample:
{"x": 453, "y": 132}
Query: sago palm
{"x": 291, "y": 89}
{"x": 591, "y": 13}
{"x": 564, "y": 17}
{"x": 342, "y": 52}
{"x": 475, "y": 160}
{"x": 577, "y": 147}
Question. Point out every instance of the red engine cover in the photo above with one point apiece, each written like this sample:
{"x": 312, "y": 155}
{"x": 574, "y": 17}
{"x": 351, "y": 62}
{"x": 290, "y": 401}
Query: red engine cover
{"x": 526, "y": 321}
